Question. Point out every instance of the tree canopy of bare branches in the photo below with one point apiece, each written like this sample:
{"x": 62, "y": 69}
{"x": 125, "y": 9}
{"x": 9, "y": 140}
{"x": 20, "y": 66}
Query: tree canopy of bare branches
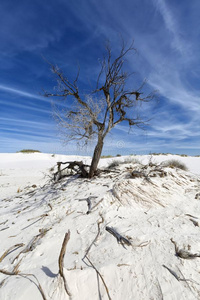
{"x": 109, "y": 104}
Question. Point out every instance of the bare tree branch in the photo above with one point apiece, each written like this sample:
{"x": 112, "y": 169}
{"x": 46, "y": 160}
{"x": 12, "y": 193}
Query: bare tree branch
{"x": 113, "y": 101}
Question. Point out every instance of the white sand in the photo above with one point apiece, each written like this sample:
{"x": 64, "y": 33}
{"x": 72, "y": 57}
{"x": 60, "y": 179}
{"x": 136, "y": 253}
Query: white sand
{"x": 150, "y": 213}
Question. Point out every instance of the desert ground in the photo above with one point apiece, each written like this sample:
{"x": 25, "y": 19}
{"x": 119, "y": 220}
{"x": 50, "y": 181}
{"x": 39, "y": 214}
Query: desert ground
{"x": 132, "y": 232}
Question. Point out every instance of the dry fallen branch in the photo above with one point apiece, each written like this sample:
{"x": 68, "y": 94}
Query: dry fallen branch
{"x": 38, "y": 284}
{"x": 5, "y": 272}
{"x": 16, "y": 267}
{"x": 33, "y": 243}
{"x": 97, "y": 203}
{"x": 191, "y": 216}
{"x": 3, "y": 223}
{"x": 88, "y": 203}
{"x": 91, "y": 264}
{"x": 178, "y": 277}
{"x": 78, "y": 166}
{"x": 120, "y": 239}
{"x": 2, "y": 282}
{"x": 9, "y": 250}
{"x": 38, "y": 217}
{"x": 99, "y": 274}
{"x": 68, "y": 213}
{"x": 172, "y": 272}
{"x": 50, "y": 206}
{"x": 183, "y": 253}
{"x": 16, "y": 273}
{"x": 61, "y": 261}
{"x": 98, "y": 233}
{"x": 194, "y": 222}
{"x": 4, "y": 228}
{"x": 43, "y": 215}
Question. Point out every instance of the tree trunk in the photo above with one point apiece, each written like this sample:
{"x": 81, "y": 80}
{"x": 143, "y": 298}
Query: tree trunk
{"x": 96, "y": 157}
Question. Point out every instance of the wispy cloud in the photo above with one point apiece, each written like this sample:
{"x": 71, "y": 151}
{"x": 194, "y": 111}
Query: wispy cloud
{"x": 25, "y": 94}
{"x": 14, "y": 121}
{"x": 25, "y": 108}
{"x": 21, "y": 93}
{"x": 172, "y": 26}
{"x": 171, "y": 86}
{"x": 11, "y": 126}
{"x": 28, "y": 133}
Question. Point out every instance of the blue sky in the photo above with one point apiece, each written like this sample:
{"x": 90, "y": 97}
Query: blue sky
{"x": 70, "y": 32}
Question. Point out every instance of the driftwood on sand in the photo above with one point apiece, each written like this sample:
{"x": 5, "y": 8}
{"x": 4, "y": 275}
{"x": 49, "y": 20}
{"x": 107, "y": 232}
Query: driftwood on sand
{"x": 78, "y": 166}
{"x": 120, "y": 239}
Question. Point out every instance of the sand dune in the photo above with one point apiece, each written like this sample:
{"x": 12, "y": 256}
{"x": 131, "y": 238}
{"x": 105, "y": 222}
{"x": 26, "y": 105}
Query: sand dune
{"x": 153, "y": 212}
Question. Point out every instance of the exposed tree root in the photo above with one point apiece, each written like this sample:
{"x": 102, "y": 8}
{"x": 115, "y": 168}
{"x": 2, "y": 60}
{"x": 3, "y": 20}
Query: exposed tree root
{"x": 78, "y": 166}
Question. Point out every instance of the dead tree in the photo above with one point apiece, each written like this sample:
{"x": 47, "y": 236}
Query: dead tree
{"x": 111, "y": 103}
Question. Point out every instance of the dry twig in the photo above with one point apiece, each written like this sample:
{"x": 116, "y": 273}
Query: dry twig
{"x": 33, "y": 243}
{"x": 9, "y": 250}
{"x": 183, "y": 253}
{"x": 194, "y": 222}
{"x": 88, "y": 203}
{"x": 91, "y": 264}
{"x": 120, "y": 239}
{"x": 178, "y": 277}
{"x": 99, "y": 274}
{"x": 98, "y": 233}
{"x": 16, "y": 273}
{"x": 97, "y": 203}
{"x": 61, "y": 261}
